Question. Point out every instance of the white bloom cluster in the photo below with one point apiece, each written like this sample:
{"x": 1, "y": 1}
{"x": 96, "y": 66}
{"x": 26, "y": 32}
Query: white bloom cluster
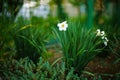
{"x": 62, "y": 26}
{"x": 103, "y": 36}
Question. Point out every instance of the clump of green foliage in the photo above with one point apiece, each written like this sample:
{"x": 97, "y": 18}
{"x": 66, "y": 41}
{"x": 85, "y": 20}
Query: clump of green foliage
{"x": 79, "y": 45}
{"x": 31, "y": 37}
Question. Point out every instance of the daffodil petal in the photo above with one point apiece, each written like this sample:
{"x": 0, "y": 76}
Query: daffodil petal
{"x": 64, "y": 29}
{"x": 102, "y": 37}
{"x": 66, "y": 25}
{"x": 60, "y": 28}
{"x": 105, "y": 43}
{"x": 58, "y": 24}
{"x": 106, "y": 39}
{"x": 102, "y": 33}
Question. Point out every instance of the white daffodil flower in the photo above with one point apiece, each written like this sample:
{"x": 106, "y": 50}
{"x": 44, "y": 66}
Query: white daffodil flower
{"x": 106, "y": 39}
{"x": 98, "y": 32}
{"x": 62, "y": 26}
{"x": 105, "y": 43}
{"x": 102, "y": 33}
{"x": 103, "y": 37}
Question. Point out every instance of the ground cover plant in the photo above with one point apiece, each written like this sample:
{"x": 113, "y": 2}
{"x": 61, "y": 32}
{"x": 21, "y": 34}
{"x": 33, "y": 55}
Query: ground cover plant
{"x": 25, "y": 69}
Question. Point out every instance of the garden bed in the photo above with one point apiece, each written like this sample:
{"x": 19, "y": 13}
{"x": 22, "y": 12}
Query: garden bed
{"x": 106, "y": 66}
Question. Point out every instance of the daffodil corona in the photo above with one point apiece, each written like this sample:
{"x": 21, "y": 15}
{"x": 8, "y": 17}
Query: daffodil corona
{"x": 62, "y": 26}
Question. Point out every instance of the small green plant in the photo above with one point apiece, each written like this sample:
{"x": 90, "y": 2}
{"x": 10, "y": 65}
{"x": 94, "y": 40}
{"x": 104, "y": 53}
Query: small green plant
{"x": 79, "y": 44}
{"x": 30, "y": 38}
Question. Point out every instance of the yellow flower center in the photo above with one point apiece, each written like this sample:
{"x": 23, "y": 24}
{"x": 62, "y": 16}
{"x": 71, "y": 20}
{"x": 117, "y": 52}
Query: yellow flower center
{"x": 62, "y": 25}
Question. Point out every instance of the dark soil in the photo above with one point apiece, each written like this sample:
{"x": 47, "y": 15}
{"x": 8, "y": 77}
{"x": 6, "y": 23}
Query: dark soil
{"x": 107, "y": 67}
